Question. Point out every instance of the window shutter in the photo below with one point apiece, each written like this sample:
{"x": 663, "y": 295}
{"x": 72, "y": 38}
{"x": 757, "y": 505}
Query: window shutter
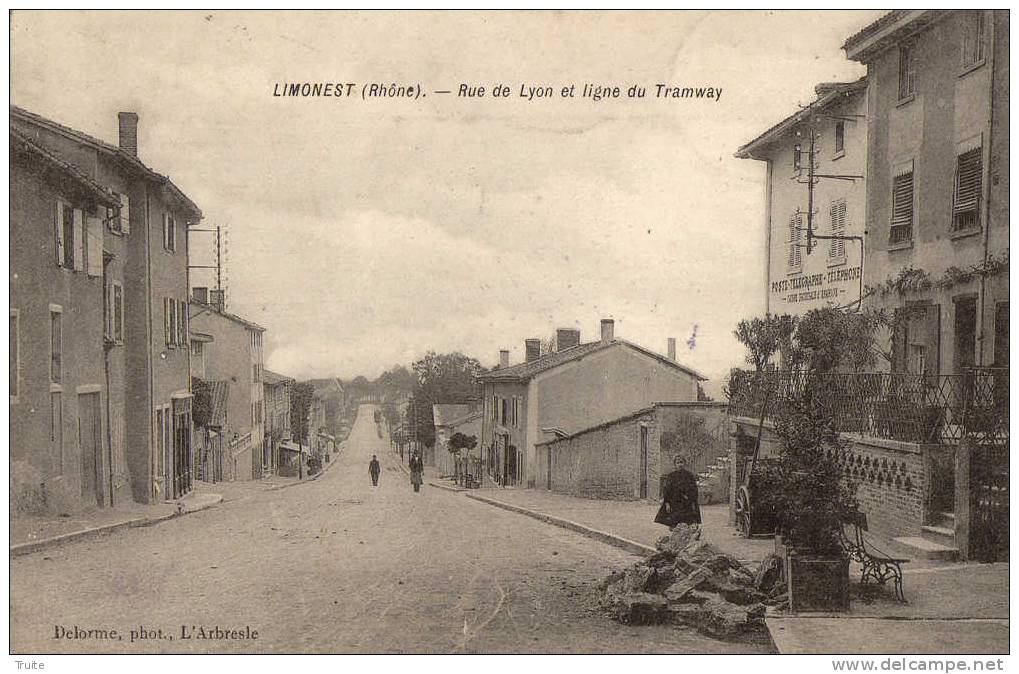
{"x": 59, "y": 233}
{"x": 108, "y": 311}
{"x": 902, "y": 208}
{"x": 79, "y": 240}
{"x": 968, "y": 185}
{"x": 795, "y": 223}
{"x": 94, "y": 247}
{"x": 166, "y": 320}
{"x": 118, "y": 312}
{"x": 125, "y": 214}
{"x": 172, "y": 242}
{"x": 166, "y": 232}
{"x": 837, "y": 249}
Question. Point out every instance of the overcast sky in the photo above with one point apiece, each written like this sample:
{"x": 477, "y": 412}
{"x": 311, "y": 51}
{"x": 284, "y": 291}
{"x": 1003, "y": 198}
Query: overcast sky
{"x": 364, "y": 233}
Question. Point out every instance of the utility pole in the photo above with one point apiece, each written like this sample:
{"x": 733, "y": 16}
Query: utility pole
{"x": 813, "y": 177}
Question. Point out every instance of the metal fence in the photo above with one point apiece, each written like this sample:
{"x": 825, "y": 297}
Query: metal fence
{"x": 935, "y": 409}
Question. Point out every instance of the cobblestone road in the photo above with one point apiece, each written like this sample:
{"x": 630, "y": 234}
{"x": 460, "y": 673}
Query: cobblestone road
{"x": 334, "y": 566}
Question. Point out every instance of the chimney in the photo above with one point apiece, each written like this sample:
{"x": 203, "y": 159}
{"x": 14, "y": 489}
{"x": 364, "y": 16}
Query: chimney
{"x": 128, "y": 132}
{"x": 200, "y": 295}
{"x": 532, "y": 349}
{"x": 607, "y": 330}
{"x": 672, "y": 348}
{"x": 503, "y": 359}
{"x": 566, "y": 338}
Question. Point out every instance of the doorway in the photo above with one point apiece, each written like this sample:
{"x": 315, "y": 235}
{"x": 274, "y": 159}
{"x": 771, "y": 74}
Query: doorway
{"x": 90, "y": 446}
{"x": 510, "y": 470}
{"x": 643, "y": 461}
{"x": 965, "y": 333}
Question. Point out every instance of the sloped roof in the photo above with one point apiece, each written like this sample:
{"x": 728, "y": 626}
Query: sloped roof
{"x": 212, "y": 309}
{"x": 274, "y": 378}
{"x": 444, "y": 413}
{"x": 22, "y": 143}
{"x": 828, "y": 93}
{"x": 887, "y": 30}
{"x": 112, "y": 150}
{"x": 473, "y": 416}
{"x": 525, "y": 371}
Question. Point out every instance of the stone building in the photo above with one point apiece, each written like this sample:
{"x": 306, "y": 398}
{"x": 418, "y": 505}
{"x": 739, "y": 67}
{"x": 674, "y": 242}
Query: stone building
{"x": 60, "y": 330}
{"x": 830, "y": 272}
{"x": 448, "y": 420}
{"x": 145, "y": 258}
{"x": 577, "y": 386}
{"x": 234, "y": 356}
{"x": 277, "y": 415}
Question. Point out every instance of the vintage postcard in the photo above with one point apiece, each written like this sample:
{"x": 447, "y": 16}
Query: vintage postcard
{"x": 510, "y": 332}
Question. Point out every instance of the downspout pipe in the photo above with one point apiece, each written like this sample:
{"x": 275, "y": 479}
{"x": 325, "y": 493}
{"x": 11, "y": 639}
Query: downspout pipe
{"x": 987, "y": 187}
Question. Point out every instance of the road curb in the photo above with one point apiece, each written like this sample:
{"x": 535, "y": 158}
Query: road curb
{"x": 311, "y": 478}
{"x": 611, "y": 539}
{"x": 455, "y": 490}
{"x": 99, "y": 532}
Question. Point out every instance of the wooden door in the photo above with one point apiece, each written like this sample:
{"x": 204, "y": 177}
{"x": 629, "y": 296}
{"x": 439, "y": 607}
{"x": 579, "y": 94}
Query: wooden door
{"x": 90, "y": 446}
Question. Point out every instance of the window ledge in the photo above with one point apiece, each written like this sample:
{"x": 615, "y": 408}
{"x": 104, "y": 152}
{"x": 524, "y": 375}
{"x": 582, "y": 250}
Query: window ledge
{"x": 836, "y": 261}
{"x": 838, "y": 155}
{"x": 964, "y": 233}
{"x": 905, "y": 100}
{"x": 901, "y": 245}
{"x": 967, "y": 69}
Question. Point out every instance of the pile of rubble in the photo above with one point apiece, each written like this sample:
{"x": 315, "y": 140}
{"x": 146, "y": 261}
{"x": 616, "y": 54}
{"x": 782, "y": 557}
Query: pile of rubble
{"x": 691, "y": 582}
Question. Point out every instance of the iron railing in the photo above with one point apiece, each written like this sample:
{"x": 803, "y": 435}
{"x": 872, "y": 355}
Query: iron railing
{"x": 934, "y": 409}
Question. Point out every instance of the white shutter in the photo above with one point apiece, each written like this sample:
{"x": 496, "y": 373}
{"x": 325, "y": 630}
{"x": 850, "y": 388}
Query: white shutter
{"x": 94, "y": 246}
{"x": 125, "y": 214}
{"x": 59, "y": 233}
{"x": 166, "y": 231}
{"x": 79, "y": 240}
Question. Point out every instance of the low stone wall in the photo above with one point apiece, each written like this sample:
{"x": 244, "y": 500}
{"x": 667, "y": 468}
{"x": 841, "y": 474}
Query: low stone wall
{"x": 893, "y": 478}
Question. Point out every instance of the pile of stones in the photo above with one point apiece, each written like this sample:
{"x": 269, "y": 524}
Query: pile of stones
{"x": 689, "y": 581}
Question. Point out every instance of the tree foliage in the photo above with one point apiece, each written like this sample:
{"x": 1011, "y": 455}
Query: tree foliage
{"x": 459, "y": 442}
{"x": 765, "y": 337}
{"x": 301, "y": 395}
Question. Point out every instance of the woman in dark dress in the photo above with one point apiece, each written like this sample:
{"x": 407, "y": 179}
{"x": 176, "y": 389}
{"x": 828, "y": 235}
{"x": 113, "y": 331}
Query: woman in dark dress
{"x": 679, "y": 497}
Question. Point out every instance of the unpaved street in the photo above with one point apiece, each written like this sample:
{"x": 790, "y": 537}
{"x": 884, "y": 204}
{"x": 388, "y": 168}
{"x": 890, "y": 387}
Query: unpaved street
{"x": 334, "y": 566}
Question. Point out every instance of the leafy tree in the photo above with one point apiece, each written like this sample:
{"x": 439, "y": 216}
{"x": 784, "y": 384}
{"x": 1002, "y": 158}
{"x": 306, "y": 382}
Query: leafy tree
{"x": 301, "y": 395}
{"x": 460, "y": 442}
{"x": 441, "y": 378}
{"x": 764, "y": 337}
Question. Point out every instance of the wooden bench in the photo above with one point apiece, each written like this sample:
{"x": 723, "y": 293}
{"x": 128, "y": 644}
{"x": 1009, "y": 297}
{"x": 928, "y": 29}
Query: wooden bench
{"x": 877, "y": 565}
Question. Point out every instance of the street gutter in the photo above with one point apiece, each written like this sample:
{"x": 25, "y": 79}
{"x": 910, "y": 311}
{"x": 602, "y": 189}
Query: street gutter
{"x": 611, "y": 539}
{"x": 98, "y": 532}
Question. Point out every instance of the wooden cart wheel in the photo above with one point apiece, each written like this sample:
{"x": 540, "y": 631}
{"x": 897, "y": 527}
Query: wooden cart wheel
{"x": 743, "y": 511}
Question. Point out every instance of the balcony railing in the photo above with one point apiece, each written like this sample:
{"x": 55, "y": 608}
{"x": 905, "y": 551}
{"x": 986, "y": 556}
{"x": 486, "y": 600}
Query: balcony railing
{"x": 934, "y": 409}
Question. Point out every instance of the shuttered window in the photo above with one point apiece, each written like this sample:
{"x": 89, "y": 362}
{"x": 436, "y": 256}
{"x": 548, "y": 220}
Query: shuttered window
{"x": 902, "y": 208}
{"x": 62, "y": 232}
{"x": 968, "y": 186}
{"x": 166, "y": 320}
{"x": 169, "y": 233}
{"x": 973, "y": 38}
{"x": 79, "y": 240}
{"x": 94, "y": 246}
{"x": 837, "y": 213}
{"x": 118, "y": 312}
{"x": 907, "y": 71}
{"x": 795, "y": 225}
{"x": 840, "y": 137}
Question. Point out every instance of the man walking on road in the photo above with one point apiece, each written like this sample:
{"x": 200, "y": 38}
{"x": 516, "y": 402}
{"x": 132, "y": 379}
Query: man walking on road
{"x": 417, "y": 467}
{"x": 374, "y": 469}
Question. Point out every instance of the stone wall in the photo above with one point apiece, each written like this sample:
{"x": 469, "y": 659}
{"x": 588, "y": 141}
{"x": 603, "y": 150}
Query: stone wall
{"x": 894, "y": 479}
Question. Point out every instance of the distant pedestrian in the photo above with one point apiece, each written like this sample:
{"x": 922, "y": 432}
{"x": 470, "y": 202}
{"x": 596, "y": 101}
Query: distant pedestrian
{"x": 374, "y": 469}
{"x": 679, "y": 497}
{"x": 417, "y": 468}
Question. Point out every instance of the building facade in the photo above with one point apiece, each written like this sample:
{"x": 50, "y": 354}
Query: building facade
{"x": 145, "y": 258}
{"x": 575, "y": 387}
{"x": 937, "y": 205}
{"x": 276, "y": 393}
{"x": 61, "y": 405}
{"x": 820, "y": 186}
{"x": 234, "y": 356}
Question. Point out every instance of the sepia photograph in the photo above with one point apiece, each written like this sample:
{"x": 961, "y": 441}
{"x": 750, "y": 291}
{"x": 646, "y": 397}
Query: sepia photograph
{"x": 510, "y": 332}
